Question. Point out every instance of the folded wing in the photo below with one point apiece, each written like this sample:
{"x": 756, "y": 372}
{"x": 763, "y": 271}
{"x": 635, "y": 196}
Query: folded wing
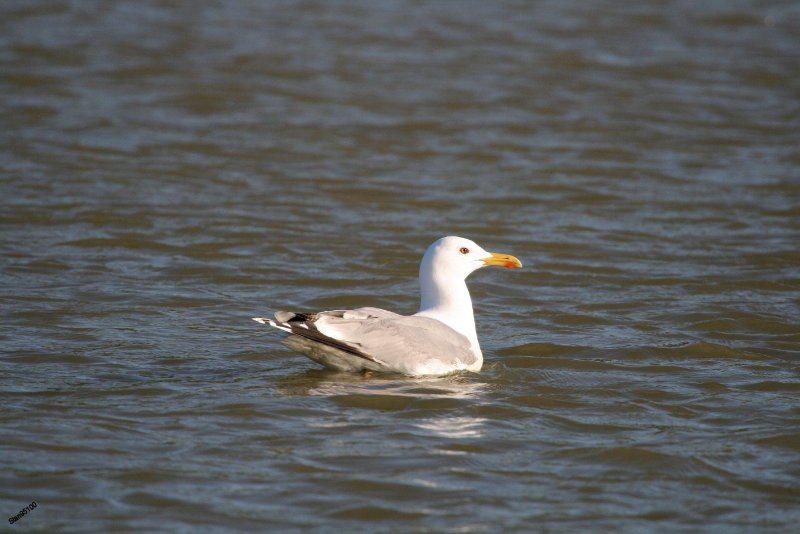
{"x": 376, "y": 339}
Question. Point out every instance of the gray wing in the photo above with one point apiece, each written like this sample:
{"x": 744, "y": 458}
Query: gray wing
{"x": 406, "y": 344}
{"x": 376, "y": 339}
{"x": 306, "y": 326}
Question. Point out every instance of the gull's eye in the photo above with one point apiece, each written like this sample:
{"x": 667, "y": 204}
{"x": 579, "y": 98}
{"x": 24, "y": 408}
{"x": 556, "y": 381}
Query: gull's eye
{"x": 464, "y": 250}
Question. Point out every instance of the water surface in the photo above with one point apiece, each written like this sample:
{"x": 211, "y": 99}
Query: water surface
{"x": 170, "y": 170}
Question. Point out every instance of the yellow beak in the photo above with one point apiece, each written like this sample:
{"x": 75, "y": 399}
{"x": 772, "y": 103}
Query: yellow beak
{"x": 502, "y": 260}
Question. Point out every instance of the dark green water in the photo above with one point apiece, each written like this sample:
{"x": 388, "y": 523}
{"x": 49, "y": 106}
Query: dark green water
{"x": 171, "y": 169}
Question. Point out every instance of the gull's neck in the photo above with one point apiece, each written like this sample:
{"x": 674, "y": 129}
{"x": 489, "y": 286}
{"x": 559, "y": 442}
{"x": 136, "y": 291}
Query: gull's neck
{"x": 447, "y": 300}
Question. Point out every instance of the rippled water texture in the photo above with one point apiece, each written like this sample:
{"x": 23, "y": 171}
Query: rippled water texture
{"x": 171, "y": 169}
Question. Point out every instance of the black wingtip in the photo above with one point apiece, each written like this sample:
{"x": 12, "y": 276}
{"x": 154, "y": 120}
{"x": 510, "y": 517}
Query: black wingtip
{"x": 292, "y": 317}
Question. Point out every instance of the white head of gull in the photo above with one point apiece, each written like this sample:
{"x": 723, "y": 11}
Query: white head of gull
{"x": 439, "y": 339}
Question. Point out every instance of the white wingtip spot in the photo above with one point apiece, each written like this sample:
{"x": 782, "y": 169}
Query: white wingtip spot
{"x": 260, "y": 320}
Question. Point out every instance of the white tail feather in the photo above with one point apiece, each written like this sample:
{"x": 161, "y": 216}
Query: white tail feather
{"x": 270, "y": 322}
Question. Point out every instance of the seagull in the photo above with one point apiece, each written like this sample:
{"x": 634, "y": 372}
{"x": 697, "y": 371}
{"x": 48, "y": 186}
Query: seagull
{"x": 437, "y": 340}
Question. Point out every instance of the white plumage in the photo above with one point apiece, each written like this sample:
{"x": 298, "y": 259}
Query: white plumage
{"x": 439, "y": 339}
